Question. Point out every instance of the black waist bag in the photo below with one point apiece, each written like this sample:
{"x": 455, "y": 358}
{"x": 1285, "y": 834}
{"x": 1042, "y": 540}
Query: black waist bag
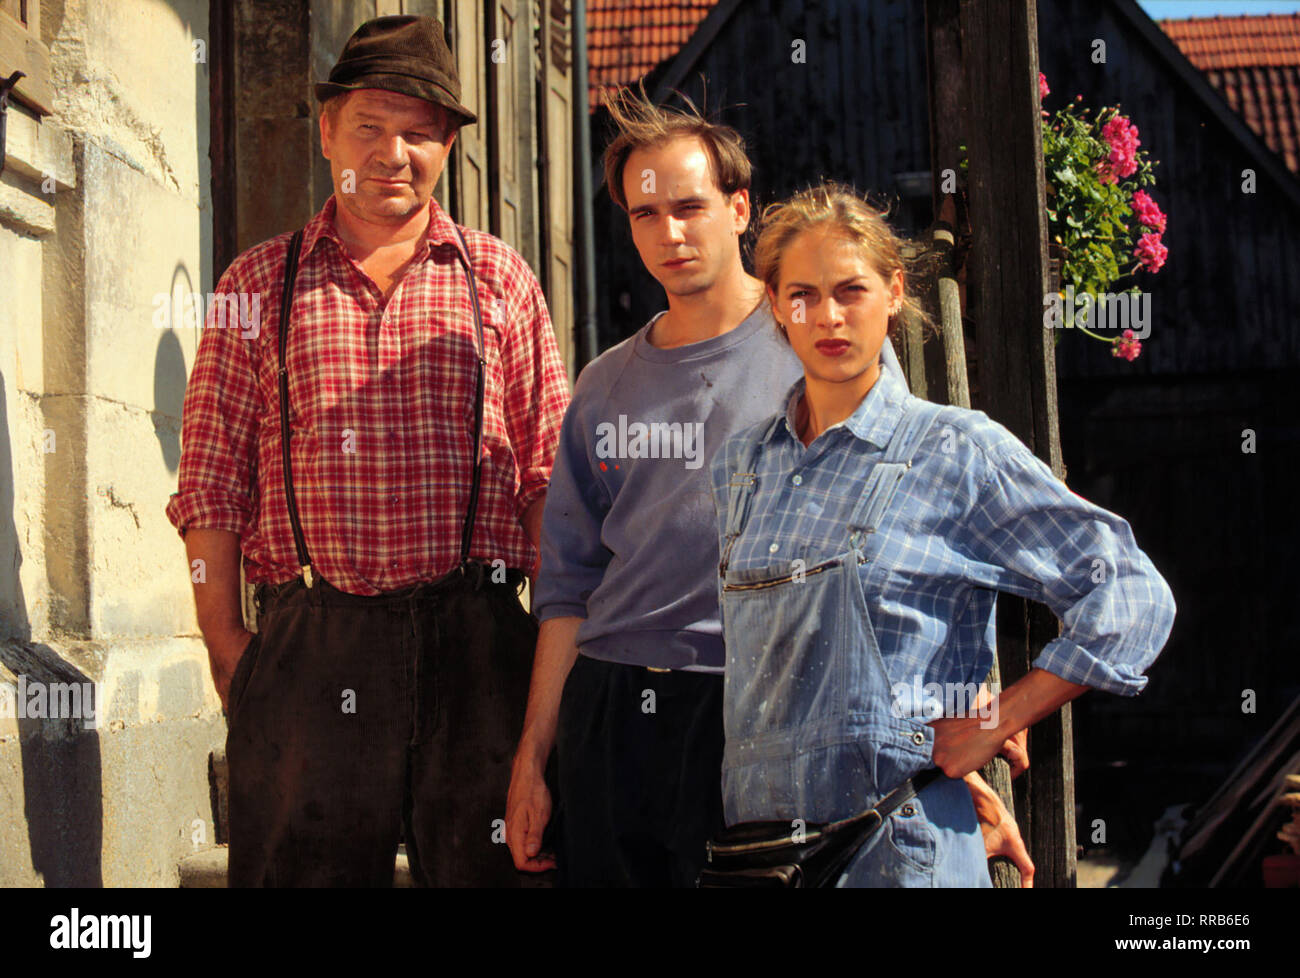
{"x": 770, "y": 854}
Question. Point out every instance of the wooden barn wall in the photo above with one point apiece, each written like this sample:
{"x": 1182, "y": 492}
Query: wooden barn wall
{"x": 1224, "y": 301}
{"x": 1158, "y": 440}
{"x": 842, "y": 114}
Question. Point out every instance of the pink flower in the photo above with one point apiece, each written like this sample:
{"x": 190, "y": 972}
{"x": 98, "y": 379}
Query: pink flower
{"x": 1148, "y": 211}
{"x": 1128, "y": 346}
{"x": 1122, "y": 136}
{"x": 1150, "y": 252}
{"x": 1043, "y": 90}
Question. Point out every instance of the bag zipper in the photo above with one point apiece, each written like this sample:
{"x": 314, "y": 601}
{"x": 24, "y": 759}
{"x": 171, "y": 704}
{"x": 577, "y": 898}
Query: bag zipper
{"x": 738, "y": 847}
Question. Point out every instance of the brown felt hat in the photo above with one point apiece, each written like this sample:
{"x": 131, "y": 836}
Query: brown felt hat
{"x": 407, "y": 55}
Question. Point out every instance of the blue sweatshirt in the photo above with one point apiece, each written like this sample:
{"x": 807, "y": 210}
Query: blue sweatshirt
{"x": 629, "y": 535}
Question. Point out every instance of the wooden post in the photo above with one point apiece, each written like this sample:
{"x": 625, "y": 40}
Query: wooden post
{"x": 1009, "y": 277}
{"x": 948, "y": 306}
{"x": 946, "y": 362}
{"x": 945, "y": 84}
{"x": 909, "y": 343}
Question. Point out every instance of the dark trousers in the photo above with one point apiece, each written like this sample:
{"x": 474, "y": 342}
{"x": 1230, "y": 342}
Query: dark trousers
{"x": 640, "y": 774}
{"x": 353, "y": 719}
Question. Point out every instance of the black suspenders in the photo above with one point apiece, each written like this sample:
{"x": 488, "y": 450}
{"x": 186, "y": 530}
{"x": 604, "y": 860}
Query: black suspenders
{"x": 477, "y": 476}
{"x": 286, "y": 303}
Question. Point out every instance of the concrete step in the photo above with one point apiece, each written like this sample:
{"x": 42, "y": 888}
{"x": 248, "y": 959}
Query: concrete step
{"x": 208, "y": 869}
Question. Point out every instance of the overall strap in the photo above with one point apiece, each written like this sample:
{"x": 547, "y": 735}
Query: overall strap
{"x": 286, "y": 303}
{"x": 918, "y": 417}
{"x": 741, "y": 487}
{"x": 467, "y": 531}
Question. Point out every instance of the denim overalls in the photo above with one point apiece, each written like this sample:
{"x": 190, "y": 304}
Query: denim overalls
{"x": 807, "y": 707}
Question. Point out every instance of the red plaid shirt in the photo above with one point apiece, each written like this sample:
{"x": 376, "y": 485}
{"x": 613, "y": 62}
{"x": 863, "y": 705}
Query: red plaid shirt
{"x": 381, "y": 402}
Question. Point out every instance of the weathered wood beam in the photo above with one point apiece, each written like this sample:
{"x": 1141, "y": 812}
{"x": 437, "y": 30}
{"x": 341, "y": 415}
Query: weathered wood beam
{"x": 946, "y": 83}
{"x": 1009, "y": 277}
{"x": 948, "y": 377}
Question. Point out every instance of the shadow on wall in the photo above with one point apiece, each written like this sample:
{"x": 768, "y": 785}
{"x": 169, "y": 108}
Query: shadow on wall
{"x": 14, "y": 623}
{"x": 60, "y": 758}
{"x": 169, "y": 370}
{"x": 168, "y": 396}
{"x": 62, "y": 787}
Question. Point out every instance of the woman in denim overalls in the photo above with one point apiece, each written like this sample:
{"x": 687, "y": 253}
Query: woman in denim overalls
{"x": 864, "y": 534}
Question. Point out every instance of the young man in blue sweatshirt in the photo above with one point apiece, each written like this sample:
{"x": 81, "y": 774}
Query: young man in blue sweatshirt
{"x": 627, "y": 676}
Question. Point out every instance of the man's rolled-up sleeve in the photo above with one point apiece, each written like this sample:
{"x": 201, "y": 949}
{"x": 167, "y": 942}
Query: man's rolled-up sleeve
{"x": 537, "y": 389}
{"x": 218, "y": 429}
{"x": 1032, "y": 536}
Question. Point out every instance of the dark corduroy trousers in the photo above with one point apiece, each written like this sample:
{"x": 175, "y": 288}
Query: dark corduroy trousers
{"x": 355, "y": 720}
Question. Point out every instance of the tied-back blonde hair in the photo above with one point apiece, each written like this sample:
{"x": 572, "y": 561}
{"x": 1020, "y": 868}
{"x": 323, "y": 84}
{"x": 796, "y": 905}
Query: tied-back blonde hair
{"x": 839, "y": 207}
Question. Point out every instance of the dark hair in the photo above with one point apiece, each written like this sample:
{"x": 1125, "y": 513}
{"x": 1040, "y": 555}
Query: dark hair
{"x": 643, "y": 124}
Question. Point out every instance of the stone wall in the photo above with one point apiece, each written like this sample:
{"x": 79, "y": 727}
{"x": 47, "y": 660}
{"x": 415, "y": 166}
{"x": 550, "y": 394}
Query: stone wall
{"x": 104, "y": 205}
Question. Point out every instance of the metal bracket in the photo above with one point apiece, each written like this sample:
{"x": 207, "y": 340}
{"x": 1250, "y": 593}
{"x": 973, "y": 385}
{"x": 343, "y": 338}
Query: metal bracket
{"x": 6, "y": 86}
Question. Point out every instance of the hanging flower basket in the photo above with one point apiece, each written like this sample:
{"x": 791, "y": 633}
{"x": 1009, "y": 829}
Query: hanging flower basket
{"x": 1103, "y": 228}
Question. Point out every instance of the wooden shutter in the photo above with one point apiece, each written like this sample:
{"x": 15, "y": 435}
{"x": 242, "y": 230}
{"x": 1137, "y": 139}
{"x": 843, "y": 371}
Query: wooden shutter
{"x": 469, "y": 178}
{"x": 555, "y": 138}
{"x": 512, "y": 129}
{"x": 21, "y": 50}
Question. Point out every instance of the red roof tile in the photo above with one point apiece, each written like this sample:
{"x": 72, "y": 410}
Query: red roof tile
{"x": 627, "y": 38}
{"x": 1254, "y": 60}
{"x": 1247, "y": 41}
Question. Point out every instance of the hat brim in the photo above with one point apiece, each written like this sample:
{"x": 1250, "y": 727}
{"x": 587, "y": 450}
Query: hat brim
{"x": 403, "y": 85}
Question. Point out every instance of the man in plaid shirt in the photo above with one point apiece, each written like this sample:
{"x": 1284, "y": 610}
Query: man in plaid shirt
{"x": 386, "y": 684}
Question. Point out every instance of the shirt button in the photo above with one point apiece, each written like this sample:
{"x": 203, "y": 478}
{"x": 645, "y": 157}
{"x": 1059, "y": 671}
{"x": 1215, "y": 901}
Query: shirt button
{"x": 918, "y": 738}
{"x": 907, "y": 811}
{"x": 772, "y": 549}
{"x": 797, "y": 480}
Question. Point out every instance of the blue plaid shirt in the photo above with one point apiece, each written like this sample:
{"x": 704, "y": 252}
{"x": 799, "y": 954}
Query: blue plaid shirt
{"x": 977, "y": 513}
